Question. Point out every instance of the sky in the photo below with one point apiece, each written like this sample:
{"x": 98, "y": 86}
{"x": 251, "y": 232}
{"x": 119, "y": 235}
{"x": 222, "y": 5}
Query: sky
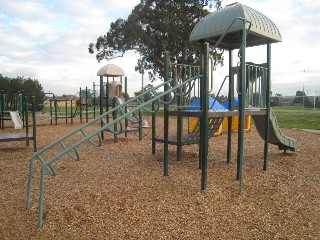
{"x": 48, "y": 40}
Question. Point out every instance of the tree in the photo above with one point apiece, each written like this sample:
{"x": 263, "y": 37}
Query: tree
{"x": 301, "y": 98}
{"x": 275, "y": 101}
{"x": 317, "y": 102}
{"x": 152, "y": 28}
{"x": 20, "y": 85}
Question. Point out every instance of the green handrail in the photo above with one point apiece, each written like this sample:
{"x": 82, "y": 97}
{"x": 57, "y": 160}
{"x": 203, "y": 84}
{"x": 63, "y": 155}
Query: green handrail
{"x": 47, "y": 164}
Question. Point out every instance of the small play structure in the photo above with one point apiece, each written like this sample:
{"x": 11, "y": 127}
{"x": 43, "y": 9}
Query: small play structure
{"x": 111, "y": 96}
{"x": 235, "y": 27}
{"x": 55, "y": 113}
{"x": 18, "y": 122}
{"x": 9, "y": 110}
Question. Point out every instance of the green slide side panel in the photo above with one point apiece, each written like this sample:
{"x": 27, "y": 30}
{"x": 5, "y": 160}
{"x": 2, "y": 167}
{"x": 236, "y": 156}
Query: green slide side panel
{"x": 276, "y": 136}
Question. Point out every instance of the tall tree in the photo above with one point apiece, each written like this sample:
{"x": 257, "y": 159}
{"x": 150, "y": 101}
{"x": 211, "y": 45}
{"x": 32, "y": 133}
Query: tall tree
{"x": 29, "y": 87}
{"x": 154, "y": 26}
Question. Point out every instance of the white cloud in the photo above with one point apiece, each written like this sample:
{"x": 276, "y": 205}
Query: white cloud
{"x": 48, "y": 40}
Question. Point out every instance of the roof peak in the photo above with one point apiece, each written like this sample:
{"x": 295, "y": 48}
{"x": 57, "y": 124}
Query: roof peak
{"x": 215, "y": 24}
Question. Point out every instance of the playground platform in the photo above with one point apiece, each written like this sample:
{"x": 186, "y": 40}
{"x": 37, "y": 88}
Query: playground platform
{"x": 217, "y": 113}
{"x": 15, "y": 137}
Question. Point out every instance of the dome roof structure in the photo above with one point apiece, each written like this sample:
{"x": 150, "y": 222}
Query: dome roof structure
{"x": 110, "y": 70}
{"x": 214, "y": 25}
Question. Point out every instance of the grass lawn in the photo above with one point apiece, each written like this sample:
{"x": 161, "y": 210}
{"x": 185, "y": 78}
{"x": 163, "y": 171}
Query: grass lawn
{"x": 288, "y": 117}
{"x": 298, "y": 117}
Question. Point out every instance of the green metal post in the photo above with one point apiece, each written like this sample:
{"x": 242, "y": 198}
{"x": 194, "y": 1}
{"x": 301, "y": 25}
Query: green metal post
{"x": 56, "y": 110}
{"x": 166, "y": 117}
{"x": 25, "y": 112}
{"x": 66, "y": 104}
{"x": 230, "y": 106}
{"x": 140, "y": 125}
{"x": 80, "y": 105}
{"x": 114, "y": 115}
{"x": 179, "y": 131}
{"x": 204, "y": 97}
{"x": 126, "y": 108}
{"x": 34, "y": 126}
{"x": 153, "y": 130}
{"x": 72, "y": 113}
{"x": 201, "y": 72}
{"x": 51, "y": 111}
{"x": 242, "y": 106}
{"x": 94, "y": 101}
{"x": 41, "y": 196}
{"x": 87, "y": 117}
{"x": 22, "y": 108}
{"x": 107, "y": 99}
{"x": 101, "y": 103}
{"x": 2, "y": 109}
{"x": 268, "y": 89}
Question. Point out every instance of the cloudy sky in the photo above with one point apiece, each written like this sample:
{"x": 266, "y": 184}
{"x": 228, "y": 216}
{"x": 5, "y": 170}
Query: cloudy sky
{"x": 48, "y": 40}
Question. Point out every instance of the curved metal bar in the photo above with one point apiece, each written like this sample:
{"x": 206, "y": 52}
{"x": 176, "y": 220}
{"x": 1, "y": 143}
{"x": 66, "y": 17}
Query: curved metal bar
{"x": 50, "y": 168}
{"x": 115, "y": 132}
{"x": 76, "y": 158}
{"x": 91, "y": 141}
{"x": 167, "y": 103}
{"x": 94, "y": 143}
{"x": 156, "y": 108}
{"x": 129, "y": 118}
{"x": 188, "y": 90}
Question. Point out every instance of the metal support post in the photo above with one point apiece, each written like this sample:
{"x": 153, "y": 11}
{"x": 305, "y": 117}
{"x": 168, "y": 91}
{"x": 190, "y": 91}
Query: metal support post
{"x": 230, "y": 106}
{"x": 267, "y": 129}
{"x": 101, "y": 103}
{"x": 204, "y": 98}
{"x": 242, "y": 106}
{"x": 114, "y": 115}
{"x": 153, "y": 129}
{"x": 126, "y": 108}
{"x": 166, "y": 117}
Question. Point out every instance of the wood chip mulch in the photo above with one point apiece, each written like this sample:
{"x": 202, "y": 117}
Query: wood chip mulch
{"x": 118, "y": 191}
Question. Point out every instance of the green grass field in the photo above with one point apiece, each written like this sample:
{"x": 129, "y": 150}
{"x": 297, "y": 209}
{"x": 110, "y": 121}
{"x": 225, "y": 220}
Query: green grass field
{"x": 298, "y": 117}
{"x": 288, "y": 117}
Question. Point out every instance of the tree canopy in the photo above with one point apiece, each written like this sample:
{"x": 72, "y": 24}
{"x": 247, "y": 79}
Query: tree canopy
{"x": 29, "y": 87}
{"x": 152, "y": 28}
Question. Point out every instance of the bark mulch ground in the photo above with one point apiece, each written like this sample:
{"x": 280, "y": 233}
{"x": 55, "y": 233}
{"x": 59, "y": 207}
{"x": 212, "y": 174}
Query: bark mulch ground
{"x": 118, "y": 191}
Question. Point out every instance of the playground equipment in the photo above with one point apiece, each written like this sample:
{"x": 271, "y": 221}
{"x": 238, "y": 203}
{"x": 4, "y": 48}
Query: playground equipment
{"x": 16, "y": 104}
{"x": 239, "y": 26}
{"x": 55, "y": 112}
{"x": 3, "y": 108}
{"x": 47, "y": 159}
{"x": 213, "y": 104}
{"x": 276, "y": 137}
{"x": 192, "y": 136}
{"x": 18, "y": 124}
{"x": 235, "y": 119}
{"x": 234, "y": 27}
{"x": 113, "y": 98}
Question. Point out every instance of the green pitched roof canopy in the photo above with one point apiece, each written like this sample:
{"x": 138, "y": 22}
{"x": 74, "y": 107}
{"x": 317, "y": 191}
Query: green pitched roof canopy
{"x": 211, "y": 27}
